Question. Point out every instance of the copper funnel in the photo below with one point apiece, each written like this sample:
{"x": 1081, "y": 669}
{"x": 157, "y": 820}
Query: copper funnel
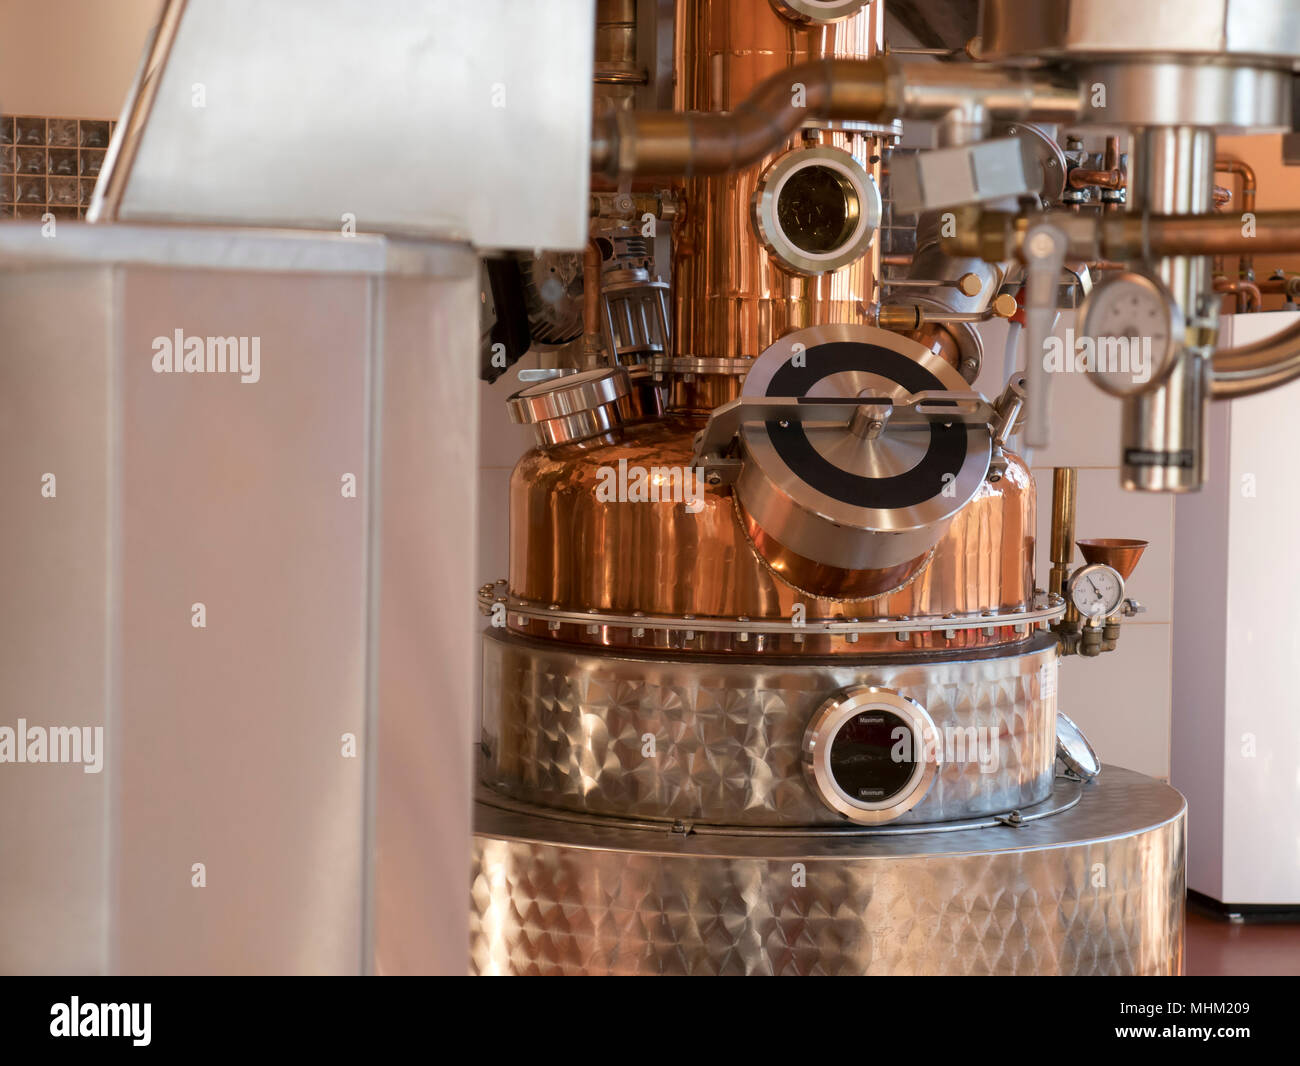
{"x": 1117, "y": 552}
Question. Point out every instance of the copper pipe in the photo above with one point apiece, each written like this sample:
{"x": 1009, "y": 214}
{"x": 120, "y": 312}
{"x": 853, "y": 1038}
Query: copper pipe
{"x": 592, "y": 261}
{"x": 1288, "y": 286}
{"x": 1102, "y": 179}
{"x": 1111, "y": 160}
{"x": 1220, "y": 197}
{"x": 1247, "y": 293}
{"x": 998, "y": 235}
{"x": 676, "y": 143}
{"x": 1249, "y": 188}
{"x": 896, "y": 260}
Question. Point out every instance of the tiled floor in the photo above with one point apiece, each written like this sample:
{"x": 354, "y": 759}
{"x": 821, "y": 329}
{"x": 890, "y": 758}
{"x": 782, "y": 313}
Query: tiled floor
{"x": 1216, "y": 947}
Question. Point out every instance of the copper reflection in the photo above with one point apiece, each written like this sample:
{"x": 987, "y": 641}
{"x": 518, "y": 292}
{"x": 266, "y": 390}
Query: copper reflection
{"x": 569, "y": 548}
{"x": 732, "y": 299}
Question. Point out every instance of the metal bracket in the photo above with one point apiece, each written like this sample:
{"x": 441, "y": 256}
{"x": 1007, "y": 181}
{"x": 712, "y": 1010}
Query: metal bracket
{"x": 1014, "y": 819}
{"x": 714, "y": 443}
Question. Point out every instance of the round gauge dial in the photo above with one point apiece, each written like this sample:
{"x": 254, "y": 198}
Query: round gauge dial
{"x": 1096, "y": 590}
{"x": 1130, "y": 334}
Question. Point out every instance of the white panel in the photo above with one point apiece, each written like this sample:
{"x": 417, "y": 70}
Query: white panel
{"x": 230, "y": 742}
{"x": 326, "y": 614}
{"x": 428, "y": 626}
{"x": 410, "y": 115}
{"x": 1262, "y": 790}
{"x": 55, "y": 376}
{"x": 1200, "y": 617}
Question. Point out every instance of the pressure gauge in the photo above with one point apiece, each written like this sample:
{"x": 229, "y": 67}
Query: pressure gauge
{"x": 1130, "y": 332}
{"x": 1096, "y": 590}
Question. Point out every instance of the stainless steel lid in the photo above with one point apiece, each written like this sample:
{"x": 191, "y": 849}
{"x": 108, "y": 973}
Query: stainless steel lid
{"x": 857, "y": 495}
{"x": 1073, "y": 749}
{"x": 573, "y": 407}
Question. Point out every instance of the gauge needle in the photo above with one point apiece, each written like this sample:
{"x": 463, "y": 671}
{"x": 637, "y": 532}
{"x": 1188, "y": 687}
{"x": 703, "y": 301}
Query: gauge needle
{"x": 1094, "y": 587}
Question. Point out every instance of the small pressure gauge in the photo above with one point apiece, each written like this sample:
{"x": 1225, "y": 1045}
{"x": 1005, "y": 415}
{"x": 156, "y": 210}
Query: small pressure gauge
{"x": 1129, "y": 334}
{"x": 1096, "y": 590}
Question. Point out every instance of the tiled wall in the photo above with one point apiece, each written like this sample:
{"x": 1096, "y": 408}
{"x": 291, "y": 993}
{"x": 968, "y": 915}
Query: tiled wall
{"x": 50, "y": 164}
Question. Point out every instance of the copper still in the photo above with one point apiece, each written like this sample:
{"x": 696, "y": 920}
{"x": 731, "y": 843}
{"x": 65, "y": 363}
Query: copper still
{"x": 760, "y": 534}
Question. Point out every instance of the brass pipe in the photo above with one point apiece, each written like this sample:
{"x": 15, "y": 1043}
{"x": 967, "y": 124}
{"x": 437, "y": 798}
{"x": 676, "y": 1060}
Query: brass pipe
{"x": 1247, "y": 293}
{"x": 1065, "y": 484}
{"x": 1249, "y": 188}
{"x": 691, "y": 143}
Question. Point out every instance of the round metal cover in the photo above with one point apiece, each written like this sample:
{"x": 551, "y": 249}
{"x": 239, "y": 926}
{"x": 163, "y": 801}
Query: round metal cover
{"x": 833, "y": 496}
{"x": 1073, "y": 749}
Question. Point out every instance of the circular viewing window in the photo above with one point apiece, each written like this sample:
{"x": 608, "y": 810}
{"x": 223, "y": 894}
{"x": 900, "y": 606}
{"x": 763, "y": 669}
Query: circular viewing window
{"x": 870, "y": 754}
{"x": 816, "y": 210}
{"x": 873, "y": 756}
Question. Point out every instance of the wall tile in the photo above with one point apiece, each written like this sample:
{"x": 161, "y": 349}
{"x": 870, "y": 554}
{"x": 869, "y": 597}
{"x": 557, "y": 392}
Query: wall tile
{"x": 69, "y": 152}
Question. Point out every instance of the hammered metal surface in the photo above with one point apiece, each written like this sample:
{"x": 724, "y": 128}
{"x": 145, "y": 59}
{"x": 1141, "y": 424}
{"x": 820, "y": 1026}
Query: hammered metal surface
{"x": 572, "y": 729}
{"x": 1096, "y": 890}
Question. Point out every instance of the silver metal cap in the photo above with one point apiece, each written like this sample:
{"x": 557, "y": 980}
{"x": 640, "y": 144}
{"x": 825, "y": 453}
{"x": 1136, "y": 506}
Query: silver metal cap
{"x": 855, "y": 500}
{"x": 573, "y": 407}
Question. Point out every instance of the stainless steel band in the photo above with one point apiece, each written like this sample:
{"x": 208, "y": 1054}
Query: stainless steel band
{"x": 721, "y": 741}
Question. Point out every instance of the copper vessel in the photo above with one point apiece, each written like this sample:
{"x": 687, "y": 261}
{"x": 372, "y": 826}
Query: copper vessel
{"x": 570, "y": 549}
{"x": 733, "y": 299}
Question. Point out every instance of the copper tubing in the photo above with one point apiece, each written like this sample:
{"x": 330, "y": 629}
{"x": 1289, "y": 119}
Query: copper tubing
{"x": 1247, "y": 293}
{"x": 1288, "y": 286}
{"x": 998, "y": 235}
{"x": 685, "y": 143}
{"x": 1249, "y": 187}
{"x": 1102, "y": 179}
{"x": 1256, "y": 367}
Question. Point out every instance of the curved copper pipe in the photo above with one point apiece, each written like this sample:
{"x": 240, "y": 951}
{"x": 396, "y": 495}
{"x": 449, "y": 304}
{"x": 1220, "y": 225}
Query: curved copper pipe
{"x": 1247, "y": 293}
{"x": 1249, "y": 188}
